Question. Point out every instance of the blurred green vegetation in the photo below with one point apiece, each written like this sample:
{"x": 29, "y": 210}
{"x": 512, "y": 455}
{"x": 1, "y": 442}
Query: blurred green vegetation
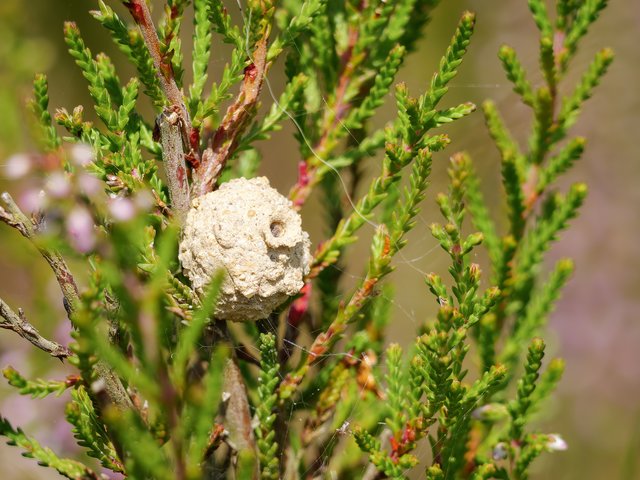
{"x": 595, "y": 328}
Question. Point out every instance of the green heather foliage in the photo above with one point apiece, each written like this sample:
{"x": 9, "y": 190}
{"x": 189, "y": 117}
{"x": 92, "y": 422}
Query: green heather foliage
{"x": 162, "y": 389}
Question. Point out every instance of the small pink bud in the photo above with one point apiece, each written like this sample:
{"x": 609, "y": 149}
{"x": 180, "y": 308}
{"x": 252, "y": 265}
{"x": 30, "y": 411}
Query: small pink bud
{"x": 299, "y": 306}
{"x": 58, "y": 185}
{"x": 555, "y": 443}
{"x": 80, "y": 229}
{"x": 17, "y": 166}
{"x": 82, "y": 154}
{"x": 144, "y": 200}
{"x": 303, "y": 174}
{"x": 122, "y": 209}
{"x": 499, "y": 451}
{"x": 33, "y": 200}
{"x": 89, "y": 185}
{"x": 114, "y": 181}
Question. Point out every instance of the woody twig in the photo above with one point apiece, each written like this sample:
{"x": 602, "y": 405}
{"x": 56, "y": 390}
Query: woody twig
{"x": 225, "y": 140}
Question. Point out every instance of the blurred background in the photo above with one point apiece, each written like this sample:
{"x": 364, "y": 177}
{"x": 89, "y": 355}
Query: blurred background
{"x": 595, "y": 327}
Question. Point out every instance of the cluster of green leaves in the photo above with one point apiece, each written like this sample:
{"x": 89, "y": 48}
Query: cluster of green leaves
{"x": 515, "y": 311}
{"x": 45, "y": 457}
{"x": 267, "y": 398}
{"x": 126, "y": 325}
{"x": 125, "y": 148}
{"x": 431, "y": 389}
{"x": 119, "y": 145}
{"x": 147, "y": 397}
{"x": 37, "y": 388}
{"x": 152, "y": 363}
{"x": 348, "y": 80}
{"x": 121, "y": 410}
{"x": 408, "y": 143}
{"x": 536, "y": 212}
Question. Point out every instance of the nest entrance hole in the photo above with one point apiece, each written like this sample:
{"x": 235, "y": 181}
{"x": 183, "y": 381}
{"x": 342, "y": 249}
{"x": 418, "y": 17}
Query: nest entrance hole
{"x": 277, "y": 228}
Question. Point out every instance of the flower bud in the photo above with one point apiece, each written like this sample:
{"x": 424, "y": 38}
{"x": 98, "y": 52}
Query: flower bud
{"x": 80, "y": 229}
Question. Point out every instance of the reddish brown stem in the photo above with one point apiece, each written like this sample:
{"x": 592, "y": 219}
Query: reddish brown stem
{"x": 225, "y": 139}
{"x": 162, "y": 63}
{"x": 333, "y": 117}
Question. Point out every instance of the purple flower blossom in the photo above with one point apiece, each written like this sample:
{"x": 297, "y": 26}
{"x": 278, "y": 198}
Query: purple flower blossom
{"x": 58, "y": 185}
{"x": 499, "y": 451}
{"x": 80, "y": 229}
{"x": 122, "y": 209}
{"x": 32, "y": 200}
{"x": 82, "y": 154}
{"x": 555, "y": 443}
{"x": 17, "y": 166}
{"x": 88, "y": 184}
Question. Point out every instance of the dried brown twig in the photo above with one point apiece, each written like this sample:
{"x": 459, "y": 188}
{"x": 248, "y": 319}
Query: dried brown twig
{"x": 17, "y": 322}
{"x": 14, "y": 217}
{"x": 236, "y": 119}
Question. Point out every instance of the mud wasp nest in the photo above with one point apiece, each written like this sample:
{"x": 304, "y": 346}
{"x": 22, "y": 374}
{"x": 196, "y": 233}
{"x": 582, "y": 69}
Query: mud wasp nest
{"x": 252, "y": 232}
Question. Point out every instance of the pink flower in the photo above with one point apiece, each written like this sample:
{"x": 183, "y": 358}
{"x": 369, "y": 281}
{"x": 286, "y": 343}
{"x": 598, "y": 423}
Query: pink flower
{"x": 17, "y": 166}
{"x": 82, "y": 154}
{"x": 80, "y": 229}
{"x": 555, "y": 443}
{"x": 33, "y": 200}
{"x": 500, "y": 451}
{"x": 58, "y": 185}
{"x": 89, "y": 184}
{"x": 122, "y": 209}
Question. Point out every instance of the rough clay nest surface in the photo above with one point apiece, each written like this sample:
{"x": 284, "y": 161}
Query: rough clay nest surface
{"x": 252, "y": 232}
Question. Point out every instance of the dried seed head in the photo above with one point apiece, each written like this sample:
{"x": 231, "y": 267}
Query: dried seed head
{"x": 251, "y": 231}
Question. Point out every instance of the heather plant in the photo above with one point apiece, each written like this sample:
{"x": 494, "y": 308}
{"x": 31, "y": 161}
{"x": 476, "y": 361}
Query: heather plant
{"x": 166, "y": 388}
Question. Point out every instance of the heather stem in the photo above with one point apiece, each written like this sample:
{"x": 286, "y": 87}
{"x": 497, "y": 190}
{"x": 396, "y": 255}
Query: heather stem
{"x": 225, "y": 140}
{"x": 173, "y": 157}
{"x": 17, "y": 323}
{"x": 142, "y": 16}
{"x": 16, "y": 218}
